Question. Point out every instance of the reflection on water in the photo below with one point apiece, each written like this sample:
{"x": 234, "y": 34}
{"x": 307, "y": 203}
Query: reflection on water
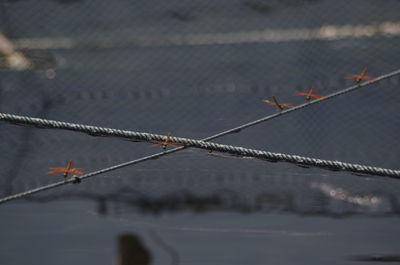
{"x": 343, "y": 195}
{"x": 322, "y": 200}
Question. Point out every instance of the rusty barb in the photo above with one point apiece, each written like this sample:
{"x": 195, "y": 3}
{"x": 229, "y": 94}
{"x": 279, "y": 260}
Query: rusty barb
{"x": 268, "y": 156}
{"x": 280, "y": 106}
{"x": 65, "y": 170}
{"x": 359, "y": 78}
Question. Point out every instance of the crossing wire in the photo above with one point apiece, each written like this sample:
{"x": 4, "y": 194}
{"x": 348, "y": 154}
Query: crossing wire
{"x": 99, "y": 131}
{"x": 273, "y": 157}
{"x": 234, "y": 150}
{"x": 268, "y": 156}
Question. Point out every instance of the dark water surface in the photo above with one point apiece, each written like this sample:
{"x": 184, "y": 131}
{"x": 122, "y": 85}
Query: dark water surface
{"x": 71, "y": 232}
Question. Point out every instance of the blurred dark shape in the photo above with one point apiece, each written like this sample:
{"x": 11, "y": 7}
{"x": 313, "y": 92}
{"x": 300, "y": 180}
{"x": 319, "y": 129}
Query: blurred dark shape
{"x": 222, "y": 200}
{"x": 68, "y": 1}
{"x": 180, "y": 201}
{"x": 271, "y": 202}
{"x": 265, "y": 7}
{"x": 298, "y": 2}
{"x": 394, "y": 203}
{"x": 376, "y": 258}
{"x": 181, "y": 15}
{"x": 41, "y": 60}
{"x": 102, "y": 208}
{"x": 258, "y": 6}
{"x": 236, "y": 131}
{"x": 131, "y": 251}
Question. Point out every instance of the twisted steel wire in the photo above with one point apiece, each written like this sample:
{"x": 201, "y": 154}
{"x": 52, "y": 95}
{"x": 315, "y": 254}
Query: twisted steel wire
{"x": 269, "y": 156}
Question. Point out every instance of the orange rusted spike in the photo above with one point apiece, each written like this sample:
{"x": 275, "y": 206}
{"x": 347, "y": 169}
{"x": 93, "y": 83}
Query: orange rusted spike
{"x": 360, "y": 77}
{"x": 364, "y": 71}
{"x": 66, "y": 170}
{"x": 166, "y": 143}
{"x": 310, "y": 94}
{"x": 275, "y": 102}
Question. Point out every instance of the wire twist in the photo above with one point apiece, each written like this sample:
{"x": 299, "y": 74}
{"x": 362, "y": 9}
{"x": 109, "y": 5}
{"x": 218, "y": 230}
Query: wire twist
{"x": 269, "y": 156}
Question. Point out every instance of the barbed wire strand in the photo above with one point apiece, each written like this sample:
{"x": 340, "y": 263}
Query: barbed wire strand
{"x": 316, "y": 101}
{"x": 100, "y": 131}
{"x": 268, "y": 156}
{"x": 234, "y": 150}
{"x": 334, "y": 165}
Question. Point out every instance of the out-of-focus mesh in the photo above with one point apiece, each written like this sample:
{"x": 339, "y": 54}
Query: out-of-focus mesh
{"x": 169, "y": 67}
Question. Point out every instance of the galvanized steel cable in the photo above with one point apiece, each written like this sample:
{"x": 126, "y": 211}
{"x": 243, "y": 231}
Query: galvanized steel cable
{"x": 99, "y": 131}
{"x": 202, "y": 144}
{"x": 269, "y": 156}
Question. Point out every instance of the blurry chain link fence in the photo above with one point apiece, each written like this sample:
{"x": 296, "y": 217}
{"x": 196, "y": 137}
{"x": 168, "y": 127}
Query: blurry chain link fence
{"x": 193, "y": 69}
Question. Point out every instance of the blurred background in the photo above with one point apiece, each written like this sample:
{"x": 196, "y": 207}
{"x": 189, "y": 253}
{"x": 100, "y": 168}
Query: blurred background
{"x": 193, "y": 69}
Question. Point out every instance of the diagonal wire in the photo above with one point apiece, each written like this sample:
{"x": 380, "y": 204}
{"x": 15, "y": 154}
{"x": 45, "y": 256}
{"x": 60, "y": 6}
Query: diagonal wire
{"x": 268, "y": 156}
{"x": 234, "y": 150}
{"x": 76, "y": 179}
{"x": 10, "y": 118}
{"x": 284, "y": 112}
{"x": 100, "y": 131}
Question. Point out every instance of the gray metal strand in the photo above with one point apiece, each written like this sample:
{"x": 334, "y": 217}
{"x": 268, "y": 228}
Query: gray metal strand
{"x": 235, "y": 150}
{"x": 75, "y": 178}
{"x": 95, "y": 133}
{"x": 101, "y": 131}
{"x": 32, "y": 191}
{"x": 268, "y": 156}
{"x": 316, "y": 101}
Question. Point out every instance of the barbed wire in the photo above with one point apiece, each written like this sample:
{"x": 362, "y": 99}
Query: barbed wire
{"x": 76, "y": 179}
{"x": 102, "y": 131}
{"x": 234, "y": 150}
{"x": 269, "y": 156}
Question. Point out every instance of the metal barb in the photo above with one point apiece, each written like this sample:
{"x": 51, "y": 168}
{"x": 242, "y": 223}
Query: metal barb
{"x": 268, "y": 156}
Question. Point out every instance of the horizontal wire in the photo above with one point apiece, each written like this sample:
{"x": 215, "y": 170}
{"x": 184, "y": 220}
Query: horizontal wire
{"x": 273, "y": 157}
{"x": 101, "y": 131}
{"x": 234, "y": 150}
